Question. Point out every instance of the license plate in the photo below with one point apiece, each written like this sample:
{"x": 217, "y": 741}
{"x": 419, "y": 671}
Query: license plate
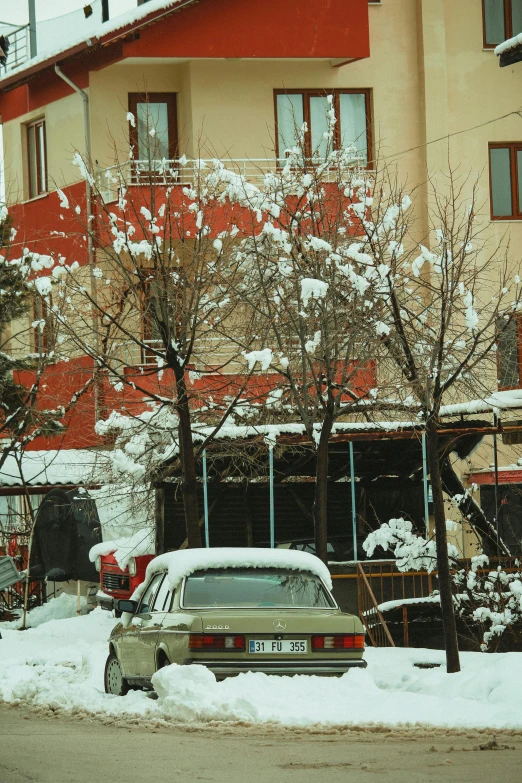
{"x": 274, "y": 646}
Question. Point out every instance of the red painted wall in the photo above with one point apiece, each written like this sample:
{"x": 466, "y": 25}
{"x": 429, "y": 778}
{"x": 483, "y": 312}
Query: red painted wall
{"x": 328, "y": 29}
{"x": 63, "y": 379}
{"x": 43, "y": 227}
{"x": 234, "y": 28}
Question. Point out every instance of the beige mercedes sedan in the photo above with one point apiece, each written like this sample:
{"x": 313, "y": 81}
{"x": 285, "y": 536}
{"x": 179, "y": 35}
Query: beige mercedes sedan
{"x": 233, "y": 610}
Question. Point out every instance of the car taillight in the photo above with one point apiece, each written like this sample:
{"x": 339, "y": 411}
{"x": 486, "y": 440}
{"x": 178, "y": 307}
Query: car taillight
{"x": 211, "y": 642}
{"x": 352, "y": 641}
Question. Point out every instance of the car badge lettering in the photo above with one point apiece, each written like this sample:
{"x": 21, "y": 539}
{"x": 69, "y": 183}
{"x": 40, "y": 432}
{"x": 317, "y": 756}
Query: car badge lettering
{"x": 279, "y": 625}
{"x": 217, "y": 627}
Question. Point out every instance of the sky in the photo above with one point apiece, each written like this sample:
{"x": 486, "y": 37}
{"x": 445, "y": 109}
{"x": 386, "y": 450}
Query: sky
{"x": 17, "y": 13}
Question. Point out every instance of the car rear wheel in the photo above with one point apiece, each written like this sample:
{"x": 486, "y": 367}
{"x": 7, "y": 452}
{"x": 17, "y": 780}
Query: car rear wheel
{"x": 163, "y": 661}
{"x": 114, "y": 680}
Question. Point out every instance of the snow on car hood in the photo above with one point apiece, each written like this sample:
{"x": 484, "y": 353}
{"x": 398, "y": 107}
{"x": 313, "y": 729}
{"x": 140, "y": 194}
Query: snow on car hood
{"x": 185, "y": 561}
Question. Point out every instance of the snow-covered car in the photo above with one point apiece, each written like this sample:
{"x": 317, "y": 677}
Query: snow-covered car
{"x": 233, "y": 610}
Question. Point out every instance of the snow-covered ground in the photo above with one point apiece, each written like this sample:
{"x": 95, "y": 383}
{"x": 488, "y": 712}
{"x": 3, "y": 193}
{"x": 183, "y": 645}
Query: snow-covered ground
{"x": 58, "y": 664}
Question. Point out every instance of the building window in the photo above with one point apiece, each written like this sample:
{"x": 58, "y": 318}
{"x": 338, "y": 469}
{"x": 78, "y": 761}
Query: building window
{"x": 505, "y": 178}
{"x": 508, "y": 352}
{"x": 296, "y": 107}
{"x": 43, "y": 325}
{"x": 37, "y": 158}
{"x": 502, "y": 20}
{"x": 154, "y": 128}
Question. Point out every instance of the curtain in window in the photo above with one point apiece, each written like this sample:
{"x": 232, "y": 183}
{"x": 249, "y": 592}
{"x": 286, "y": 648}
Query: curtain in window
{"x": 290, "y": 118}
{"x": 153, "y": 131}
{"x": 502, "y": 205}
{"x": 494, "y": 21}
{"x": 353, "y": 122}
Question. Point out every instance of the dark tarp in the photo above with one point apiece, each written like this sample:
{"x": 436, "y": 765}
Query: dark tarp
{"x": 67, "y": 526}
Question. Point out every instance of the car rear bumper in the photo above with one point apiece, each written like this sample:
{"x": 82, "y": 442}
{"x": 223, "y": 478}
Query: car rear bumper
{"x": 223, "y": 669}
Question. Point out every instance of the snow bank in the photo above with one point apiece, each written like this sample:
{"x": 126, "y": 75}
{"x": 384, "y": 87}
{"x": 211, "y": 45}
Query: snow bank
{"x": 141, "y": 543}
{"x": 185, "y": 561}
{"x": 56, "y": 609}
{"x": 59, "y": 666}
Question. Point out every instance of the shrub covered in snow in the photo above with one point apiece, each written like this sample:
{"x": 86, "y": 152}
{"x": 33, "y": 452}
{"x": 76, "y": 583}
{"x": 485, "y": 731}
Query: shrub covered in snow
{"x": 489, "y": 602}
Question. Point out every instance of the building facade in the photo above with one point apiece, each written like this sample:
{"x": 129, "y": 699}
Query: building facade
{"x": 416, "y": 84}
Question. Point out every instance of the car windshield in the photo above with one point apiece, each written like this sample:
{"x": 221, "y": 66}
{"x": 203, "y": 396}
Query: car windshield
{"x": 236, "y": 588}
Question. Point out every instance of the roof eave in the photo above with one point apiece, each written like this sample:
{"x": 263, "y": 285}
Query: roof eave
{"x": 24, "y": 76}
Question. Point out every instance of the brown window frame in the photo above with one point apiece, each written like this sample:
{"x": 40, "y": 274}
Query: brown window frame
{"x": 518, "y": 322}
{"x": 41, "y": 187}
{"x": 514, "y": 147}
{"x": 42, "y": 311}
{"x": 508, "y": 24}
{"x": 170, "y": 98}
{"x": 307, "y": 94}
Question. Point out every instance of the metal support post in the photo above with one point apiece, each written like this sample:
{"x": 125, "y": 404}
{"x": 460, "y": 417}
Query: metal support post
{"x": 205, "y": 496}
{"x": 354, "y": 510}
{"x": 495, "y": 461}
{"x": 271, "y": 464}
{"x": 425, "y": 484}
{"x": 33, "y": 47}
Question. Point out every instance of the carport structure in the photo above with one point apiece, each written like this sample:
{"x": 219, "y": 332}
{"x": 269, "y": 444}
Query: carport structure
{"x": 257, "y": 486}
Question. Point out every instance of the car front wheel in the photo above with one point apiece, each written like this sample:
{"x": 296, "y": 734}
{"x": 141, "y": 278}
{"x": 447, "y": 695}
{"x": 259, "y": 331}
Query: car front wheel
{"x": 114, "y": 680}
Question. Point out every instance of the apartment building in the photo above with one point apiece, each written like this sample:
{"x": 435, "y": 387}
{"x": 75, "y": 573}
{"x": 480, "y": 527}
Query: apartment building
{"x": 415, "y": 83}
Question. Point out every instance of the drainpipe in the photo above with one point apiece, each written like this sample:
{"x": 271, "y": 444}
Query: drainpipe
{"x": 88, "y": 200}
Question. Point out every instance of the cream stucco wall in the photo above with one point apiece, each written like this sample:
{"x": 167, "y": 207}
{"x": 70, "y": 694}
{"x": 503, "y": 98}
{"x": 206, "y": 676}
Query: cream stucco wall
{"x": 64, "y": 136}
{"x": 437, "y": 97}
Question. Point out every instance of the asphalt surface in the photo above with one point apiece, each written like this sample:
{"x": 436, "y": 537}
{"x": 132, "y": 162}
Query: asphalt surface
{"x": 45, "y": 747}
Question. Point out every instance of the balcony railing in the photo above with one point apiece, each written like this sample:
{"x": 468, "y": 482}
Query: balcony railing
{"x": 145, "y": 173}
{"x": 18, "y": 53}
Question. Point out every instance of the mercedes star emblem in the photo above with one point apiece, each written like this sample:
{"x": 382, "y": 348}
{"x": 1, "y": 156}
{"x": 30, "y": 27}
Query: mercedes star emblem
{"x": 279, "y": 625}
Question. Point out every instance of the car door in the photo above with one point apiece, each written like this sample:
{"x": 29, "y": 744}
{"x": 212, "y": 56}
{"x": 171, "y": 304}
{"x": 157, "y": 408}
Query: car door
{"x": 130, "y": 644}
{"x": 151, "y": 622}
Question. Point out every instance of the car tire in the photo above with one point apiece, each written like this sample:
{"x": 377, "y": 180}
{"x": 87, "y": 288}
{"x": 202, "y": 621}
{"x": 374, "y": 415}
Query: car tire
{"x": 114, "y": 681}
{"x": 162, "y": 662}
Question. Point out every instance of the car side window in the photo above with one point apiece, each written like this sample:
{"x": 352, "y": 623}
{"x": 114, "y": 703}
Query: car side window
{"x": 163, "y": 597}
{"x": 147, "y": 598}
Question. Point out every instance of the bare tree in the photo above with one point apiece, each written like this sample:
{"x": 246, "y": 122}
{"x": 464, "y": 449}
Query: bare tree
{"x": 306, "y": 303}
{"x": 438, "y": 314}
{"x": 161, "y": 291}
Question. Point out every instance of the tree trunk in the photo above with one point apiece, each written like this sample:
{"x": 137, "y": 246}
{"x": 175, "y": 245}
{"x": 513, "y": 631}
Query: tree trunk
{"x": 443, "y": 567}
{"x": 321, "y": 492}
{"x": 189, "y": 485}
{"x": 159, "y": 518}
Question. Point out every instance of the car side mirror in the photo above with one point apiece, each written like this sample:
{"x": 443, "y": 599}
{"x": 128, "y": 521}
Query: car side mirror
{"x": 126, "y": 606}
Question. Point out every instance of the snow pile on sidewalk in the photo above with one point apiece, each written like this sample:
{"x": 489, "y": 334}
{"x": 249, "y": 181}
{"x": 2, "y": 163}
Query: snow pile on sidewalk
{"x": 58, "y": 609}
{"x": 59, "y": 665}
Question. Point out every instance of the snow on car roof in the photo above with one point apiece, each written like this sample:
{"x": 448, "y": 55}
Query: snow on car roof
{"x": 185, "y": 561}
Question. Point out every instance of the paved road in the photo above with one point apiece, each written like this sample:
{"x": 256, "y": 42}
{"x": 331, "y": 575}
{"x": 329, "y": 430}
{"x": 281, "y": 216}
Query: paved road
{"x": 42, "y": 748}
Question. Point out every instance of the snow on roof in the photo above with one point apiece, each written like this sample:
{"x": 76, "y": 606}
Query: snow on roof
{"x": 509, "y": 44}
{"x": 103, "y": 31}
{"x": 66, "y": 467}
{"x": 500, "y": 400}
{"x": 185, "y": 561}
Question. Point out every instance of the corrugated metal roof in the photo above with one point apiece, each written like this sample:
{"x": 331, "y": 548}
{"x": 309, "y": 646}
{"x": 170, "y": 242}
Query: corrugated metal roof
{"x": 64, "y": 467}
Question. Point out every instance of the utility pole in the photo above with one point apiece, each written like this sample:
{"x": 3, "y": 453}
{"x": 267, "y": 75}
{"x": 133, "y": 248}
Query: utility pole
{"x": 33, "y": 49}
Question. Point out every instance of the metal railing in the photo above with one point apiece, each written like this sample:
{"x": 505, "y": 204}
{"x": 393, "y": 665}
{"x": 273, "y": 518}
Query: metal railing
{"x": 18, "y": 53}
{"x": 164, "y": 172}
{"x": 375, "y": 624}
